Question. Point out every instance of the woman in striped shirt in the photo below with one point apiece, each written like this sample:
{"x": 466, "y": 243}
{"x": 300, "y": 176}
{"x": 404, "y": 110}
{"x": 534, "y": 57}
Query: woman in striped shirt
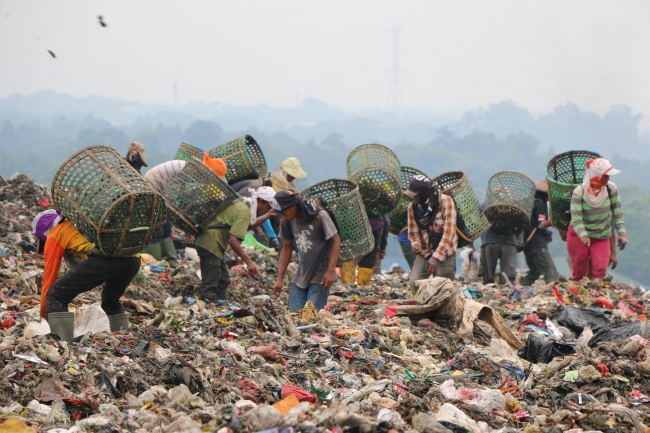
{"x": 594, "y": 204}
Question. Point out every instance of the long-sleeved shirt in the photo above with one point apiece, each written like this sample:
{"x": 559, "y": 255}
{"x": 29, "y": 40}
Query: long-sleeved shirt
{"x": 64, "y": 237}
{"x": 595, "y": 222}
{"x": 162, "y": 174}
{"x": 444, "y": 222}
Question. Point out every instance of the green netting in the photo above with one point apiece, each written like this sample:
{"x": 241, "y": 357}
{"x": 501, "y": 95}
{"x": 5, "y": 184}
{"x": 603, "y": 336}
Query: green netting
{"x": 376, "y": 171}
{"x": 195, "y": 196}
{"x": 399, "y": 215}
{"x": 343, "y": 198}
{"x": 456, "y": 185}
{"x": 564, "y": 173}
{"x": 509, "y": 201}
{"x": 244, "y": 158}
{"x": 187, "y": 151}
{"x": 108, "y": 201}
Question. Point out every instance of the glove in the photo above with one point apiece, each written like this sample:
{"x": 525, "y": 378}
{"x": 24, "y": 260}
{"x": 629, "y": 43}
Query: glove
{"x": 275, "y": 244}
{"x": 622, "y": 241}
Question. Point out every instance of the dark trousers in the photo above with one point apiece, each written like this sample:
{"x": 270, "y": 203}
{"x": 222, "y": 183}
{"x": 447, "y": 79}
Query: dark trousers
{"x": 407, "y": 250}
{"x": 506, "y": 254}
{"x": 215, "y": 277}
{"x": 116, "y": 273}
{"x": 165, "y": 231}
{"x": 539, "y": 263}
{"x": 370, "y": 259}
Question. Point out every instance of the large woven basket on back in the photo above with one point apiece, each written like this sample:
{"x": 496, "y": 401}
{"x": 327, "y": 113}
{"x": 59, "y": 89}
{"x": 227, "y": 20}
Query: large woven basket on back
{"x": 564, "y": 173}
{"x": 399, "y": 215}
{"x": 108, "y": 201}
{"x": 456, "y": 185}
{"x": 376, "y": 171}
{"x": 244, "y": 158}
{"x": 344, "y": 199}
{"x": 187, "y": 151}
{"x": 509, "y": 202}
{"x": 195, "y": 196}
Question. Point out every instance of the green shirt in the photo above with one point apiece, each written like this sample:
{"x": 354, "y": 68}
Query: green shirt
{"x": 237, "y": 216}
{"x": 595, "y": 222}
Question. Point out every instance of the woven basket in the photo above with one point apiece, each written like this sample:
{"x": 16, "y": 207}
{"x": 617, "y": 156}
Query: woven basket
{"x": 564, "y": 173}
{"x": 509, "y": 202}
{"x": 244, "y": 158}
{"x": 376, "y": 171}
{"x": 195, "y": 196}
{"x": 344, "y": 199}
{"x": 456, "y": 185}
{"x": 399, "y": 215}
{"x": 188, "y": 151}
{"x": 108, "y": 201}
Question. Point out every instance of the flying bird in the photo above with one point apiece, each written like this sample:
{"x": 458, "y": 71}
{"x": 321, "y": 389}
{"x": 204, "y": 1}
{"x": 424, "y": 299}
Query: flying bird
{"x": 101, "y": 21}
{"x": 52, "y": 54}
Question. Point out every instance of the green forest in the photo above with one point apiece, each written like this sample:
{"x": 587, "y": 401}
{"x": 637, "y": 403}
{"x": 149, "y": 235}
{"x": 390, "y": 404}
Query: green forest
{"x": 37, "y": 135}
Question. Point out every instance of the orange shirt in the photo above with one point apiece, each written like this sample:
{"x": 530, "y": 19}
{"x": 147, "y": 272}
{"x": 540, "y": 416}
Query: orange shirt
{"x": 64, "y": 237}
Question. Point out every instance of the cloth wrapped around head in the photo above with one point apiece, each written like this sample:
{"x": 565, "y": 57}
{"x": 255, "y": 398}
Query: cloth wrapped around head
{"x": 288, "y": 199}
{"x": 594, "y": 184}
{"x": 46, "y": 221}
{"x": 426, "y": 208}
{"x": 217, "y": 165}
{"x": 265, "y": 193}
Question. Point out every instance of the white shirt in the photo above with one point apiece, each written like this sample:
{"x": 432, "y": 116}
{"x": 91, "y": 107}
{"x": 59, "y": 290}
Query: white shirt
{"x": 162, "y": 174}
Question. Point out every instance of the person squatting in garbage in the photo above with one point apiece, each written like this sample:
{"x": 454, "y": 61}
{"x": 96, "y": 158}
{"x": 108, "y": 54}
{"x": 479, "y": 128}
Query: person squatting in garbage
{"x": 162, "y": 247}
{"x": 594, "y": 205}
{"x": 228, "y": 229}
{"x": 380, "y": 226}
{"x": 318, "y": 245}
{"x": 136, "y": 157}
{"x": 92, "y": 271}
{"x": 537, "y": 237}
{"x": 432, "y": 231}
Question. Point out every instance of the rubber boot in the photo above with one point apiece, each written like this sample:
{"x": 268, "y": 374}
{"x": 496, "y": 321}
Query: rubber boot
{"x": 154, "y": 250}
{"x": 168, "y": 252}
{"x": 347, "y": 272}
{"x": 62, "y": 324}
{"x": 119, "y": 322}
{"x": 365, "y": 276}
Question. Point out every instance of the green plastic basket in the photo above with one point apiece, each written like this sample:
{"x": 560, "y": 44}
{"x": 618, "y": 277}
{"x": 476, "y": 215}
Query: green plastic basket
{"x": 195, "y": 196}
{"x": 563, "y": 174}
{"x": 456, "y": 185}
{"x": 376, "y": 171}
{"x": 344, "y": 199}
{"x": 244, "y": 158}
{"x": 509, "y": 201}
{"x": 399, "y": 215}
{"x": 187, "y": 151}
{"x": 108, "y": 201}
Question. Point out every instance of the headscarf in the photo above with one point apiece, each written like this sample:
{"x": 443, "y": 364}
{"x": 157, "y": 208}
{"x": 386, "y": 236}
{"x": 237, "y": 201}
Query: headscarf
{"x": 265, "y": 193}
{"x": 288, "y": 199}
{"x": 46, "y": 221}
{"x": 426, "y": 209}
{"x": 594, "y": 187}
{"x": 217, "y": 165}
{"x": 135, "y": 160}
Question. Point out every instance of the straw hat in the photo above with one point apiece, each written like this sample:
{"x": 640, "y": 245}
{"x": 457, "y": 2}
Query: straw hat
{"x": 542, "y": 186}
{"x": 292, "y": 167}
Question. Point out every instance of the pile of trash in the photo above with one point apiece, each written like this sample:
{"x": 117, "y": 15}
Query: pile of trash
{"x": 455, "y": 357}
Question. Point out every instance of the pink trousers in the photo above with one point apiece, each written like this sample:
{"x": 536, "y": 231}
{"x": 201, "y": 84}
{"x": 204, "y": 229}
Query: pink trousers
{"x": 581, "y": 256}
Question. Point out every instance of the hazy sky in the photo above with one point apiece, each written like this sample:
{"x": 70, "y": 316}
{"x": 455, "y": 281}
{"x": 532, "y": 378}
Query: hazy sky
{"x": 453, "y": 54}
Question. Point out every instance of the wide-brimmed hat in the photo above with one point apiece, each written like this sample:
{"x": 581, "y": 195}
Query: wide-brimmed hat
{"x": 292, "y": 167}
{"x": 138, "y": 147}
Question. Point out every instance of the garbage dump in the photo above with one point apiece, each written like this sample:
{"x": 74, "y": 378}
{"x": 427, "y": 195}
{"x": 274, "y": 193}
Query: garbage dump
{"x": 457, "y": 356}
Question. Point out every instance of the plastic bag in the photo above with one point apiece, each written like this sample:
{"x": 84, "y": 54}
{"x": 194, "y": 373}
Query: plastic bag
{"x": 300, "y": 394}
{"x": 539, "y": 350}
{"x": 620, "y": 332}
{"x": 92, "y": 320}
{"x": 268, "y": 353}
{"x": 577, "y": 319}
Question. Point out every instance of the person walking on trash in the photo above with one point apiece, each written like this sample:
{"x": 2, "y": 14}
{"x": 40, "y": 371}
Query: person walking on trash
{"x": 116, "y": 273}
{"x": 318, "y": 244}
{"x": 432, "y": 231}
{"x": 380, "y": 226}
{"x": 594, "y": 205}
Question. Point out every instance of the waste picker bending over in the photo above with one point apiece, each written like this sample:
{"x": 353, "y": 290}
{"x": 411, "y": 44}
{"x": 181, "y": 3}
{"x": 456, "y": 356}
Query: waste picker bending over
{"x": 115, "y": 273}
{"x": 283, "y": 179}
{"x": 318, "y": 244}
{"x": 594, "y": 205}
{"x": 432, "y": 231}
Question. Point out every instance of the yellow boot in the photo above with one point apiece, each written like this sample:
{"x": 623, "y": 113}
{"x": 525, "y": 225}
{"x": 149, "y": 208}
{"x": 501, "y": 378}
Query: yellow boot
{"x": 365, "y": 276}
{"x": 347, "y": 272}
